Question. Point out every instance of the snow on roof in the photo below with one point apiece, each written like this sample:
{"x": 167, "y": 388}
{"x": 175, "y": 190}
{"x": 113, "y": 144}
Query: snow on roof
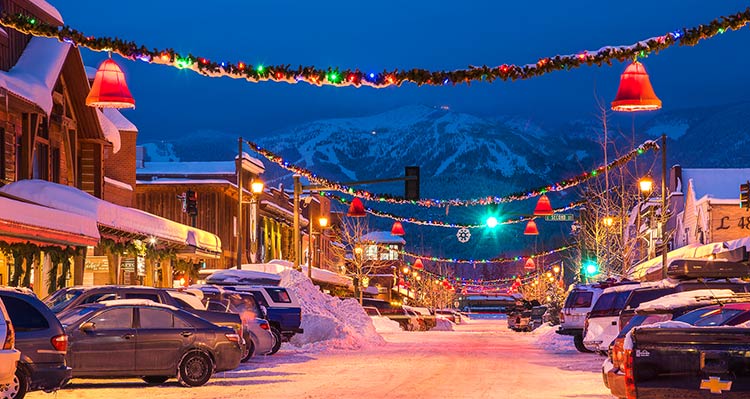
{"x": 276, "y": 267}
{"x": 136, "y": 302}
{"x": 34, "y": 75}
{"x": 124, "y": 186}
{"x": 111, "y": 133}
{"x": 53, "y": 219}
{"x": 242, "y": 277}
{"x": 686, "y": 298}
{"x": 122, "y": 123}
{"x": 71, "y": 199}
{"x": 186, "y": 181}
{"x": 715, "y": 183}
{"x": 188, "y": 168}
{"x": 48, "y": 8}
{"x": 382, "y": 237}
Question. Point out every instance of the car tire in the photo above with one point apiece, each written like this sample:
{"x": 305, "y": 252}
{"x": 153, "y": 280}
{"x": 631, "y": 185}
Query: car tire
{"x": 578, "y": 342}
{"x": 155, "y": 379}
{"x": 277, "y": 342}
{"x": 18, "y": 387}
{"x": 195, "y": 369}
{"x": 249, "y": 349}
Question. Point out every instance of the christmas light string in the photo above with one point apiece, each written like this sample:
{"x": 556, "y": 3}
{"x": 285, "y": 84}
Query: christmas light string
{"x": 335, "y": 76}
{"x": 438, "y": 223}
{"x": 391, "y": 199}
{"x": 480, "y": 261}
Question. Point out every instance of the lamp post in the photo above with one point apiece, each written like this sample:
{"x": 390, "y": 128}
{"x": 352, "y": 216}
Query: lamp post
{"x": 256, "y": 188}
{"x": 663, "y": 216}
{"x": 315, "y": 249}
{"x": 645, "y": 188}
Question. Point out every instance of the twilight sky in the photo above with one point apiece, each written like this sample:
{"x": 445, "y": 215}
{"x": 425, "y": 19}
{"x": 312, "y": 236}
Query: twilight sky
{"x": 377, "y": 35}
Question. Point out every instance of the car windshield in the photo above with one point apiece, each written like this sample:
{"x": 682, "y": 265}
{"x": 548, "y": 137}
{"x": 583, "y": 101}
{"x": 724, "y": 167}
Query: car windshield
{"x": 74, "y": 315}
{"x": 610, "y": 303}
{"x": 579, "y": 299}
{"x": 640, "y": 296}
{"x": 709, "y": 317}
{"x": 60, "y": 299}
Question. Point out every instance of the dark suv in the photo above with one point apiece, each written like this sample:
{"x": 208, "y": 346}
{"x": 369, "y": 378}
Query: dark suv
{"x": 42, "y": 341}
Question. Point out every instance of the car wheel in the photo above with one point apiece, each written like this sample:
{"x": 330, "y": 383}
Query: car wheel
{"x": 249, "y": 349}
{"x": 17, "y": 388}
{"x": 578, "y": 341}
{"x": 277, "y": 342}
{"x": 195, "y": 369}
{"x": 155, "y": 379}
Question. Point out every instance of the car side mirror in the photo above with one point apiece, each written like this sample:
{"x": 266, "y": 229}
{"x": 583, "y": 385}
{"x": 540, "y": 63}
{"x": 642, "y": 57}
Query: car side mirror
{"x": 87, "y": 327}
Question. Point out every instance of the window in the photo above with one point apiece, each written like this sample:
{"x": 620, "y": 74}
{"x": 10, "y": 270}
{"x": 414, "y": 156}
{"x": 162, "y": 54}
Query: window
{"x": 279, "y": 295}
{"x": 155, "y": 318}
{"x": 180, "y": 323}
{"x": 40, "y": 161}
{"x": 104, "y": 296}
{"x": 2, "y": 153}
{"x": 23, "y": 315}
{"x": 56, "y": 165}
{"x": 579, "y": 299}
{"x": 142, "y": 295}
{"x": 114, "y": 319}
{"x": 371, "y": 252}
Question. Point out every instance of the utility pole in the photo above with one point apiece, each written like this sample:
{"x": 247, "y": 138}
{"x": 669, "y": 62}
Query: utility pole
{"x": 663, "y": 218}
{"x": 239, "y": 203}
{"x": 297, "y": 239}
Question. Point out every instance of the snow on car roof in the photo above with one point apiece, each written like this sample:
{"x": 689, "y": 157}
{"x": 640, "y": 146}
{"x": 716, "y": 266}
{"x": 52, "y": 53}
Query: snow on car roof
{"x": 686, "y": 298}
{"x": 136, "y": 302}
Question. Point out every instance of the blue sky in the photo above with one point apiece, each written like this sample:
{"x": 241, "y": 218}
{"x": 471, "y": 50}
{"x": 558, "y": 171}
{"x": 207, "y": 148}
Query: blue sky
{"x": 381, "y": 35}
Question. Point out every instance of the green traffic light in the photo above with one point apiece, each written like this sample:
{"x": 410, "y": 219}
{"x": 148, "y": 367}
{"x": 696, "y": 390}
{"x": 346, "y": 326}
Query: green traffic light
{"x": 590, "y": 268}
{"x": 492, "y": 222}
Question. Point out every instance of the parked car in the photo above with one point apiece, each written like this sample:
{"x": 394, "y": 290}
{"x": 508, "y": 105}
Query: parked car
{"x": 424, "y": 316}
{"x": 371, "y": 311}
{"x": 281, "y": 308}
{"x": 69, "y": 297}
{"x": 256, "y": 330}
{"x": 9, "y": 355}
{"x": 677, "y": 359}
{"x": 658, "y": 310}
{"x": 42, "y": 342}
{"x": 142, "y": 338}
{"x": 578, "y": 304}
{"x": 408, "y": 321}
{"x": 601, "y": 322}
{"x": 450, "y": 314}
{"x": 538, "y": 316}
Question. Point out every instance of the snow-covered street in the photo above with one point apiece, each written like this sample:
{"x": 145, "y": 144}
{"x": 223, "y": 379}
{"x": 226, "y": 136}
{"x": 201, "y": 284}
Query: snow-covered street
{"x": 479, "y": 359}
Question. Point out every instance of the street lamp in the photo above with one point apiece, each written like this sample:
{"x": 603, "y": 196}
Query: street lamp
{"x": 608, "y": 221}
{"x": 315, "y": 249}
{"x": 256, "y": 188}
{"x": 646, "y": 185}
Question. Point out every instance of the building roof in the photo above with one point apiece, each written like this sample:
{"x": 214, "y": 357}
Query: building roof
{"x": 382, "y": 237}
{"x": 49, "y": 9}
{"x": 187, "y": 169}
{"x": 36, "y": 72}
{"x": 715, "y": 183}
{"x": 111, "y": 133}
{"x": 107, "y": 214}
{"x": 122, "y": 123}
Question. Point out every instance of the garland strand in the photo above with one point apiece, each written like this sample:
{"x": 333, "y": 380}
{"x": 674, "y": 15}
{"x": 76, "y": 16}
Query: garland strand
{"x": 335, "y": 76}
{"x": 438, "y": 223}
{"x": 493, "y": 260}
{"x": 391, "y": 199}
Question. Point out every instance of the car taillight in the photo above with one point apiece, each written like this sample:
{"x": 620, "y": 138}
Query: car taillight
{"x": 562, "y": 317}
{"x": 233, "y": 337}
{"x": 265, "y": 326}
{"x": 618, "y": 352}
{"x": 60, "y": 342}
{"x": 627, "y": 367}
{"x": 10, "y": 336}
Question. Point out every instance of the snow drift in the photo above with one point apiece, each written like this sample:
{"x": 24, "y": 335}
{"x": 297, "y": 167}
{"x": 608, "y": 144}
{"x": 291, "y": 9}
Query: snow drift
{"x": 329, "y": 322}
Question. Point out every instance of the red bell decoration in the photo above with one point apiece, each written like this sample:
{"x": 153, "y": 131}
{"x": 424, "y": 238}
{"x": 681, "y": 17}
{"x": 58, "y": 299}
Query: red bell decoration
{"x": 356, "y": 209}
{"x": 635, "y": 92}
{"x": 530, "y": 264}
{"x": 397, "y": 229}
{"x": 418, "y": 264}
{"x": 109, "y": 89}
{"x": 543, "y": 207}
{"x": 531, "y": 229}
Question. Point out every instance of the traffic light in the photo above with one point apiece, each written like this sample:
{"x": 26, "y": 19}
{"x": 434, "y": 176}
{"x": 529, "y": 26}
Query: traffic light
{"x": 491, "y": 222}
{"x": 590, "y": 268}
{"x": 745, "y": 195}
{"x": 411, "y": 184}
{"x": 191, "y": 202}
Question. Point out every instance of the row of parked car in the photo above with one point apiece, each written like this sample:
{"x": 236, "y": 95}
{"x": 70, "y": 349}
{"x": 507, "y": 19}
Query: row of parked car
{"x": 614, "y": 318}
{"x": 409, "y": 318}
{"x": 527, "y": 316}
{"x": 128, "y": 331}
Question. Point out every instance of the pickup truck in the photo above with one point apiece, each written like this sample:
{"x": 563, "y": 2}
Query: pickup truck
{"x": 692, "y": 362}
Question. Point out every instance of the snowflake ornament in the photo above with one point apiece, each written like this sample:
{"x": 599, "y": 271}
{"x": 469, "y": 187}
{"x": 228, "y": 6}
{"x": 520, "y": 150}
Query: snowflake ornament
{"x": 463, "y": 235}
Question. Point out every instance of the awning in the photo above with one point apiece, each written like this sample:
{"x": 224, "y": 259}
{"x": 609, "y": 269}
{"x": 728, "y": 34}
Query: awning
{"x": 24, "y": 222}
{"x": 114, "y": 218}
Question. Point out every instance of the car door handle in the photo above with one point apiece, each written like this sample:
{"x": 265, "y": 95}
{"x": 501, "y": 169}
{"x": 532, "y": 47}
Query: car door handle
{"x": 186, "y": 333}
{"x": 128, "y": 336}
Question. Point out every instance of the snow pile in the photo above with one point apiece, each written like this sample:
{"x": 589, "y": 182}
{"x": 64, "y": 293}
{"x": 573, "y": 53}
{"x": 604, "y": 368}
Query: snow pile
{"x": 329, "y": 322}
{"x": 384, "y": 324}
{"x": 549, "y": 340}
{"x": 442, "y": 324}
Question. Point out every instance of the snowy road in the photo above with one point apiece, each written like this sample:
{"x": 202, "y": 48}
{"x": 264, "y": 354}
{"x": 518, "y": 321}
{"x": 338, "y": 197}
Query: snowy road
{"x": 480, "y": 359}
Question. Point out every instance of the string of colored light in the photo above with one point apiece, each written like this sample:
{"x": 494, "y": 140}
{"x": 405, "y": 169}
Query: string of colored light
{"x": 391, "y": 199}
{"x": 480, "y": 261}
{"x": 336, "y": 76}
{"x": 438, "y": 223}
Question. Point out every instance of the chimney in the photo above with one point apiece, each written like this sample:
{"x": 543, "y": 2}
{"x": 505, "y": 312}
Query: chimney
{"x": 140, "y": 157}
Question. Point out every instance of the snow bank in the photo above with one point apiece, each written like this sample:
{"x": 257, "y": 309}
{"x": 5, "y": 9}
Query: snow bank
{"x": 329, "y": 322}
{"x": 384, "y": 324}
{"x": 549, "y": 340}
{"x": 442, "y": 324}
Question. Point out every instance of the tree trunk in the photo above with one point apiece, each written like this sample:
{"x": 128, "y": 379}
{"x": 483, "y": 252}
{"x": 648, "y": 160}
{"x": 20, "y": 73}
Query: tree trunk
{"x": 29, "y": 265}
{"x": 17, "y": 268}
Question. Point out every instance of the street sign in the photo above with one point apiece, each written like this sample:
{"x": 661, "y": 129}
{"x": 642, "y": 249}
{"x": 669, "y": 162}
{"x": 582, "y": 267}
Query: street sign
{"x": 560, "y": 217}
